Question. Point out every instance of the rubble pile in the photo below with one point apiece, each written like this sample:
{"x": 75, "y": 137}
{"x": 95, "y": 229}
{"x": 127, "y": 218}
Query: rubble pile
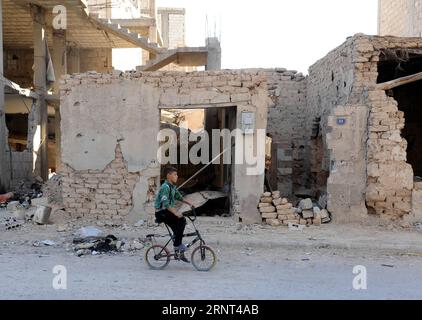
{"x": 52, "y": 190}
{"x": 276, "y": 211}
{"x": 31, "y": 201}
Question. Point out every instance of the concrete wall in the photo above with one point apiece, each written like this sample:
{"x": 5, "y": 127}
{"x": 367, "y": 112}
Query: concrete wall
{"x": 346, "y": 143}
{"x": 402, "y": 18}
{"x": 109, "y": 136}
{"x": 99, "y": 60}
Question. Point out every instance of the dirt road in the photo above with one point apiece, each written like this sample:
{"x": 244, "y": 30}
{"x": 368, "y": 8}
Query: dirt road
{"x": 244, "y": 271}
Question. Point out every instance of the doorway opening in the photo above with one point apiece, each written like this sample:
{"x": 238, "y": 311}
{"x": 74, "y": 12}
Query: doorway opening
{"x": 396, "y": 64}
{"x": 209, "y": 187}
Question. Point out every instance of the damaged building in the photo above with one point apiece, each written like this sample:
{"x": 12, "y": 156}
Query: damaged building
{"x": 43, "y": 40}
{"x": 358, "y": 138}
{"x": 349, "y": 131}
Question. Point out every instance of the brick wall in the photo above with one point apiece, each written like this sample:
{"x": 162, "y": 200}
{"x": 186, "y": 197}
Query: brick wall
{"x": 99, "y": 193}
{"x": 287, "y": 125}
{"x": 109, "y": 130}
{"x": 347, "y": 76}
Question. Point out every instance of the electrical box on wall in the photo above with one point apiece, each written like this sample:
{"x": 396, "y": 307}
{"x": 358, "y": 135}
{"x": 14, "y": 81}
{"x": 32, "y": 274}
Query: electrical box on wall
{"x": 248, "y": 122}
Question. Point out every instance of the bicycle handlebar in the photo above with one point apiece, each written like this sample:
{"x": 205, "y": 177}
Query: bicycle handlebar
{"x": 189, "y": 216}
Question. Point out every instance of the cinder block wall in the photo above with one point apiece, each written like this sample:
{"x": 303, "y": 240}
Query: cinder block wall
{"x": 109, "y": 141}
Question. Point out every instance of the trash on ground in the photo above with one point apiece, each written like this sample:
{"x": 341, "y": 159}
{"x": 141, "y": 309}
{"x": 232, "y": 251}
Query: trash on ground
{"x": 47, "y": 243}
{"x": 296, "y": 227}
{"x": 95, "y": 245}
{"x": 89, "y": 231}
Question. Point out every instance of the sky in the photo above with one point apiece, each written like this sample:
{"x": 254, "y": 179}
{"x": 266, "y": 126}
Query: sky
{"x": 291, "y": 34}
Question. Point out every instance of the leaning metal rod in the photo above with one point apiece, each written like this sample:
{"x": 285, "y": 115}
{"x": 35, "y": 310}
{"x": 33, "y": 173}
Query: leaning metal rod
{"x": 203, "y": 168}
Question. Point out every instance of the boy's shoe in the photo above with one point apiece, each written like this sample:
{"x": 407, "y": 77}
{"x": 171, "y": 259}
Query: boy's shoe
{"x": 181, "y": 256}
{"x": 181, "y": 248}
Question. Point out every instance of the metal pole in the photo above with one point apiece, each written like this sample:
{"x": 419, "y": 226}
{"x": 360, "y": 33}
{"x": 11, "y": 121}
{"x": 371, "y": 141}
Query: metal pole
{"x": 203, "y": 168}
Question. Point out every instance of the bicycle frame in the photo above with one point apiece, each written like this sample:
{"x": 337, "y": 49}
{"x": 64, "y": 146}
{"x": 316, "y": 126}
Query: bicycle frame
{"x": 195, "y": 234}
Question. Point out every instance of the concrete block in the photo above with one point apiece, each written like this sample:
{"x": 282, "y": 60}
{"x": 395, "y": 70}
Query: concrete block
{"x": 42, "y": 215}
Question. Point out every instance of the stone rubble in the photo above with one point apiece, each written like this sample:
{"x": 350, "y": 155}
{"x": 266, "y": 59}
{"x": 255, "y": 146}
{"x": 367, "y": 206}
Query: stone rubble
{"x": 276, "y": 211}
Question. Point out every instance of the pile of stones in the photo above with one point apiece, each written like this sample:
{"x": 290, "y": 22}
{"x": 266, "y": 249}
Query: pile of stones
{"x": 276, "y": 211}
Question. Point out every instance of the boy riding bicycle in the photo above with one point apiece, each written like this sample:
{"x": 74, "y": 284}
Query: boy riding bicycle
{"x": 165, "y": 211}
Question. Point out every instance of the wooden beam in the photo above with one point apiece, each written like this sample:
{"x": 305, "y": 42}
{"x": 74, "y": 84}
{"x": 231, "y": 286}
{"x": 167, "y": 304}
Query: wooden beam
{"x": 399, "y": 82}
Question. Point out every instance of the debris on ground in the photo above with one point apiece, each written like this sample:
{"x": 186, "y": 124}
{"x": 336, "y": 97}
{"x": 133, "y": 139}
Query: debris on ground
{"x": 277, "y": 211}
{"x": 86, "y": 232}
{"x": 140, "y": 223}
{"x": 4, "y": 198}
{"x": 91, "y": 244}
{"x": 9, "y": 224}
{"x": 28, "y": 202}
{"x": 42, "y": 215}
{"x": 52, "y": 190}
{"x": 47, "y": 243}
{"x": 296, "y": 227}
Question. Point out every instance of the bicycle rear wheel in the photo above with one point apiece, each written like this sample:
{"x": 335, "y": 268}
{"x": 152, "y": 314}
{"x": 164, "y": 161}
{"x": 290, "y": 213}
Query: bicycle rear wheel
{"x": 203, "y": 258}
{"x": 157, "y": 257}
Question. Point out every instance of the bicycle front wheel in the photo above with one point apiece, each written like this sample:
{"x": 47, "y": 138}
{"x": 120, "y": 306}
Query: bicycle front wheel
{"x": 157, "y": 257}
{"x": 203, "y": 258}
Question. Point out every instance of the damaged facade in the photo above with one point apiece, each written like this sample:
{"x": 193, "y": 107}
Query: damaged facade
{"x": 356, "y": 149}
{"x": 110, "y": 124}
{"x": 350, "y": 130}
{"x": 335, "y": 132}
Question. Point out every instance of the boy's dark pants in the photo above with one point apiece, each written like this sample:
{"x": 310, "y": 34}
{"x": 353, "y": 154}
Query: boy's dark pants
{"x": 176, "y": 224}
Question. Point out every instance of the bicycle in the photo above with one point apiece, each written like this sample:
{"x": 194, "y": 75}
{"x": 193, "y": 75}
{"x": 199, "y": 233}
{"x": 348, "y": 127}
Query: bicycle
{"x": 203, "y": 257}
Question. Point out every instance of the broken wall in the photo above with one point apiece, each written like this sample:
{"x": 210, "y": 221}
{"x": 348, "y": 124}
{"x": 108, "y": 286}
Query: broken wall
{"x": 330, "y": 84}
{"x": 109, "y": 131}
{"x": 348, "y": 76}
